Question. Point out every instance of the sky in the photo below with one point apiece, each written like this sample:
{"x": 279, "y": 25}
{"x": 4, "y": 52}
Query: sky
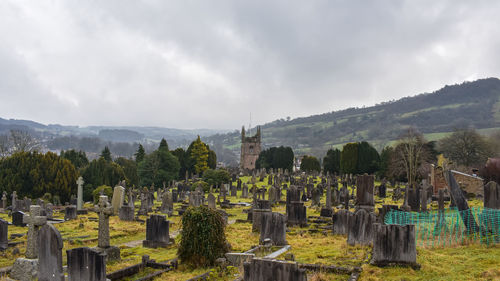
{"x": 213, "y": 64}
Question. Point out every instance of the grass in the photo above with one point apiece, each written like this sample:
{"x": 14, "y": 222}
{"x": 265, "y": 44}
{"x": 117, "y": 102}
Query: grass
{"x": 466, "y": 262}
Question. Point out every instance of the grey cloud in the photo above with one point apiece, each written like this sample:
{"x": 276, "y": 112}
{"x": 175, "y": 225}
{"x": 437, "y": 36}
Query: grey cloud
{"x": 198, "y": 64}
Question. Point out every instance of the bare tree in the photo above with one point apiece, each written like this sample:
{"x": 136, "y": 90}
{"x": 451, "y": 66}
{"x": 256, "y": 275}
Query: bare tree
{"x": 466, "y": 147}
{"x": 410, "y": 155}
{"x": 22, "y": 141}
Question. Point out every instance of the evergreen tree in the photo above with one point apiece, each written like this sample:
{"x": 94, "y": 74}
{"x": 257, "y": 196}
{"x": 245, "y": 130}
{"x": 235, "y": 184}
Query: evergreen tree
{"x": 309, "y": 164}
{"x": 78, "y": 159}
{"x": 199, "y": 156}
{"x": 368, "y": 159}
{"x": 276, "y": 157}
{"x": 140, "y": 154}
{"x": 385, "y": 161}
{"x": 101, "y": 172}
{"x": 349, "y": 158}
{"x": 183, "y": 161}
{"x": 163, "y": 145}
{"x": 106, "y": 154}
{"x": 129, "y": 169}
{"x": 331, "y": 162}
{"x": 158, "y": 167}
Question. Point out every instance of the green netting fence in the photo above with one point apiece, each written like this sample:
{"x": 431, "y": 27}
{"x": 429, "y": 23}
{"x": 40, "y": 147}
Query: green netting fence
{"x": 447, "y": 228}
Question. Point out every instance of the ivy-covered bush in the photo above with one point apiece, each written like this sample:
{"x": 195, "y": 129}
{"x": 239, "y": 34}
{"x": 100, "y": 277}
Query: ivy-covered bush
{"x": 107, "y": 190}
{"x": 202, "y": 238}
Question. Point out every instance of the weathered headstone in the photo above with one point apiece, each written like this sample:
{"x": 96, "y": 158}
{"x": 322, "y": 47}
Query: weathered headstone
{"x": 244, "y": 191}
{"x": 273, "y": 226}
{"x": 126, "y": 213}
{"x": 327, "y": 211}
{"x": 413, "y": 198}
{"x": 340, "y": 221}
{"x": 364, "y": 192}
{"x": 461, "y": 203}
{"x": 17, "y": 218}
{"x": 4, "y": 230}
{"x": 70, "y": 213}
{"x": 157, "y": 232}
{"x": 211, "y": 201}
{"x": 256, "y": 221}
{"x": 167, "y": 204}
{"x": 85, "y": 264}
{"x": 360, "y": 227}
{"x": 4, "y": 200}
{"x": 297, "y": 214}
{"x": 50, "y": 245}
{"x": 441, "y": 199}
{"x": 492, "y": 195}
{"x": 79, "y": 202}
{"x": 394, "y": 245}
{"x": 423, "y": 200}
{"x": 382, "y": 189}
{"x": 118, "y": 197}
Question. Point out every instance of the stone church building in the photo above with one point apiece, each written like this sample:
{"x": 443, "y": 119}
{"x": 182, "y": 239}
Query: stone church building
{"x": 250, "y": 150}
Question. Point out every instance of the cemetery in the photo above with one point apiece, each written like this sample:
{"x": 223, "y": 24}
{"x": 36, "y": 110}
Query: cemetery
{"x": 348, "y": 232}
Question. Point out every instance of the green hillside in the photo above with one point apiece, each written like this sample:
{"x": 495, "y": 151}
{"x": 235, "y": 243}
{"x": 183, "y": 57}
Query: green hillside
{"x": 435, "y": 114}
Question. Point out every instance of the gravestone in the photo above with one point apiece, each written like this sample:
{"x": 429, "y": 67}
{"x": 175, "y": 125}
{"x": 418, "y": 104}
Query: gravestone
{"x": 492, "y": 195}
{"x": 157, "y": 232}
{"x": 461, "y": 203}
{"x": 273, "y": 226}
{"x": 26, "y": 268}
{"x": 70, "y": 213}
{"x": 327, "y": 210}
{"x": 143, "y": 209}
{"x": 413, "y": 199}
{"x": 79, "y": 202}
{"x": 256, "y": 221}
{"x": 263, "y": 205}
{"x": 316, "y": 197}
{"x": 384, "y": 210}
{"x": 233, "y": 190}
{"x": 126, "y": 213}
{"x": 244, "y": 191}
{"x": 211, "y": 201}
{"x": 103, "y": 244}
{"x": 118, "y": 197}
{"x": 394, "y": 245}
{"x": 4, "y": 231}
{"x": 340, "y": 221}
{"x": 167, "y": 204}
{"x": 423, "y": 200}
{"x": 382, "y": 189}
{"x": 364, "y": 192}
{"x": 262, "y": 269}
{"x": 297, "y": 214}
{"x": 17, "y": 218}
{"x": 50, "y": 245}
{"x": 175, "y": 195}
{"x": 15, "y": 206}
{"x": 85, "y": 264}
{"x": 360, "y": 227}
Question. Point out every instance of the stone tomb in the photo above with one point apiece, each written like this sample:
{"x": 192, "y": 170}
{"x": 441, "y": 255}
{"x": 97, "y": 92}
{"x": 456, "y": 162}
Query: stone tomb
{"x": 261, "y": 269}
{"x": 50, "y": 245}
{"x": 85, "y": 264}
{"x": 273, "y": 226}
{"x": 394, "y": 245}
{"x": 360, "y": 227}
{"x": 157, "y": 232}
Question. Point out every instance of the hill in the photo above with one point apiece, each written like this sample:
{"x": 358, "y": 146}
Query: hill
{"x": 474, "y": 104}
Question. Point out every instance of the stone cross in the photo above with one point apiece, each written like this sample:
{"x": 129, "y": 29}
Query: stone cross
{"x": 14, "y": 201}
{"x": 34, "y": 222}
{"x": 104, "y": 211}
{"x": 79, "y": 202}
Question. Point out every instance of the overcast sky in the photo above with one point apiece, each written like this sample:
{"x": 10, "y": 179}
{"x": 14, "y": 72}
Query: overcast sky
{"x": 208, "y": 64}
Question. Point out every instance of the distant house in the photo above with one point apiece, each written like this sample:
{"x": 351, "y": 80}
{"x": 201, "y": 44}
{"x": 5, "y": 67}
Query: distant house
{"x": 469, "y": 183}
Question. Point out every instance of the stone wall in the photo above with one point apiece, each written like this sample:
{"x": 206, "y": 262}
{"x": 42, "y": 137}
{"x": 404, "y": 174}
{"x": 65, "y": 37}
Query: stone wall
{"x": 470, "y": 183}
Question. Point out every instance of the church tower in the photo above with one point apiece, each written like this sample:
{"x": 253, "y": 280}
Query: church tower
{"x": 250, "y": 149}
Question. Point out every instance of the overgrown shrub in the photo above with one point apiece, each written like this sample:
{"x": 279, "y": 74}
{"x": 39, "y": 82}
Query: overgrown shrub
{"x": 204, "y": 185}
{"x": 202, "y": 238}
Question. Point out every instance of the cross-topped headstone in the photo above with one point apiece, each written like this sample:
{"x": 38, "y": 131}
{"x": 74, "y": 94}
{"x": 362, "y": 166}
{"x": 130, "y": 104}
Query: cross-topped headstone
{"x": 4, "y": 200}
{"x": 34, "y": 222}
{"x": 79, "y": 202}
{"x": 104, "y": 211}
